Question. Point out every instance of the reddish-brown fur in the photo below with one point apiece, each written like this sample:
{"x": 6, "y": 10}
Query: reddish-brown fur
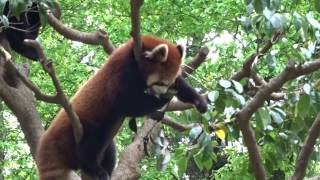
{"x": 94, "y": 103}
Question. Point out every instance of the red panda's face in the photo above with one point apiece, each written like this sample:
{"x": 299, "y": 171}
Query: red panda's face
{"x": 160, "y": 64}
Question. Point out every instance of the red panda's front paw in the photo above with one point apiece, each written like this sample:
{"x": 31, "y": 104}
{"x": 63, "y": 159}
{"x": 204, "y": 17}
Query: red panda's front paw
{"x": 201, "y": 105}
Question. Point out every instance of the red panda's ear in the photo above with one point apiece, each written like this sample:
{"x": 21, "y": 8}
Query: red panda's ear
{"x": 182, "y": 50}
{"x": 158, "y": 53}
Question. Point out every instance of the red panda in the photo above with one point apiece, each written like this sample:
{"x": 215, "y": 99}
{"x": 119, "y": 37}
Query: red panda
{"x": 122, "y": 87}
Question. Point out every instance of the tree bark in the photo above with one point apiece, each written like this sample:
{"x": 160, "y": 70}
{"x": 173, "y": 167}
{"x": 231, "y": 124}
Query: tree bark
{"x": 20, "y": 100}
{"x": 128, "y": 166}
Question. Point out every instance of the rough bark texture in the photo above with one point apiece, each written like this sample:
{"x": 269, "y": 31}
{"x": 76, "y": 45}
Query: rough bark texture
{"x": 307, "y": 149}
{"x": 128, "y": 166}
{"x": 99, "y": 37}
{"x": 2, "y": 137}
{"x": 292, "y": 71}
{"x": 21, "y": 101}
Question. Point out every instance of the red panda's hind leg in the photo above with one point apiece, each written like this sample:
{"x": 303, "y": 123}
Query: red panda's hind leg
{"x": 91, "y": 152}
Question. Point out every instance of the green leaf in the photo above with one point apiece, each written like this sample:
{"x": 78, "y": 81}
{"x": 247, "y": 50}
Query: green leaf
{"x": 234, "y": 131}
{"x": 2, "y": 5}
{"x": 313, "y": 21}
{"x": 247, "y": 1}
{"x": 240, "y": 99}
{"x": 195, "y": 132}
{"x": 306, "y": 52}
{"x": 303, "y": 106}
{"x": 220, "y": 103}
{"x": 271, "y": 60}
{"x": 278, "y": 21}
{"x": 307, "y": 88}
{"x": 198, "y": 159}
{"x": 17, "y": 6}
{"x": 207, "y": 159}
{"x": 276, "y": 117}
{"x": 250, "y": 8}
{"x": 237, "y": 86}
{"x": 258, "y": 5}
{"x": 317, "y": 101}
{"x": 280, "y": 111}
{"x": 246, "y": 23}
{"x": 263, "y": 117}
{"x": 182, "y": 165}
{"x": 317, "y": 5}
{"x": 213, "y": 96}
{"x": 225, "y": 83}
{"x": 268, "y": 13}
{"x": 298, "y": 21}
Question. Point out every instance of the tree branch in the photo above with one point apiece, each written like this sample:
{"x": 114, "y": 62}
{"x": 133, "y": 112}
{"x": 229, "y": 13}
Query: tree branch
{"x": 177, "y": 126}
{"x": 99, "y": 37}
{"x": 20, "y": 101}
{"x": 196, "y": 61}
{"x": 292, "y": 71}
{"x": 307, "y": 149}
{"x": 60, "y": 97}
{"x": 246, "y": 68}
{"x": 135, "y": 25}
{"x": 128, "y": 166}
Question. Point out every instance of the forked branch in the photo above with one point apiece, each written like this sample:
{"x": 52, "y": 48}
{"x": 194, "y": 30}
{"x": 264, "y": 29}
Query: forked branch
{"x": 59, "y": 98}
{"x": 99, "y": 37}
{"x": 292, "y": 71}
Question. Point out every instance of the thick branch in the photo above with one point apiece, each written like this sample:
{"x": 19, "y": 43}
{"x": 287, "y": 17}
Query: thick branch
{"x": 307, "y": 149}
{"x": 135, "y": 25}
{"x": 20, "y": 101}
{"x": 99, "y": 37}
{"x": 254, "y": 154}
{"x": 292, "y": 71}
{"x": 130, "y": 158}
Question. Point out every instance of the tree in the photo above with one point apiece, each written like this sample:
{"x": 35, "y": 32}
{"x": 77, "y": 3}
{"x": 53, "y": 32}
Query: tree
{"x": 263, "y": 87}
